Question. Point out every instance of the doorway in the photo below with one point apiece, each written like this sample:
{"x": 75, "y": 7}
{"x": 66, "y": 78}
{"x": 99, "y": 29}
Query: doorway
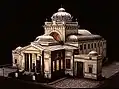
{"x": 79, "y": 69}
{"x": 38, "y": 65}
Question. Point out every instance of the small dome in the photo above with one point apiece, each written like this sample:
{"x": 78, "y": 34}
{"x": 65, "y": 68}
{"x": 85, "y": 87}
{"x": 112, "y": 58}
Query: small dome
{"x": 83, "y": 32}
{"x": 93, "y": 53}
{"x": 72, "y": 38}
{"x": 44, "y": 38}
{"x": 61, "y": 9}
{"x": 61, "y": 15}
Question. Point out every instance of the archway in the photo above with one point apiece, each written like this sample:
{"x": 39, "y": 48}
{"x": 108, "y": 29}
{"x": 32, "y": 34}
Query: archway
{"x": 56, "y": 36}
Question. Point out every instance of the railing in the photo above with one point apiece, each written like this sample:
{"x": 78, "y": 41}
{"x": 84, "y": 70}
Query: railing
{"x": 72, "y": 23}
{"x": 81, "y": 57}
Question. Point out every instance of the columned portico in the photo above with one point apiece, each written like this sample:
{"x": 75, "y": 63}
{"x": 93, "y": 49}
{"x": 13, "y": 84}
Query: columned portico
{"x": 32, "y": 62}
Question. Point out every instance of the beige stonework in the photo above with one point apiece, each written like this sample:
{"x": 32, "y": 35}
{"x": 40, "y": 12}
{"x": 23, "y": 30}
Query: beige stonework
{"x": 71, "y": 37}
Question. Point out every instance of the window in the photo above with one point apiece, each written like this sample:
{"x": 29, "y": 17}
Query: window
{"x": 92, "y": 45}
{"x": 90, "y": 68}
{"x": 76, "y": 51}
{"x": 95, "y": 45}
{"x": 15, "y": 61}
{"x": 68, "y": 64}
{"x": 88, "y": 46}
{"x": 84, "y": 46}
{"x": 81, "y": 47}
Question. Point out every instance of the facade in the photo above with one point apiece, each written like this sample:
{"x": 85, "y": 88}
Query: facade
{"x": 63, "y": 49}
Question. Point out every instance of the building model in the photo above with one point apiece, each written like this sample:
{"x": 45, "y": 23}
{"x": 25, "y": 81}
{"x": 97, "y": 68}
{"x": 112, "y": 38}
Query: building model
{"x": 63, "y": 49}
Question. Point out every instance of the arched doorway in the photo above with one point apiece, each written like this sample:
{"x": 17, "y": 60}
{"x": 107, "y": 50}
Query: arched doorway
{"x": 56, "y": 36}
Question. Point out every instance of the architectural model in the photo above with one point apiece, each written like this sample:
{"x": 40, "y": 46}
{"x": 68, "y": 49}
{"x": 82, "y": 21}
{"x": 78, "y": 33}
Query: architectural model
{"x": 63, "y": 49}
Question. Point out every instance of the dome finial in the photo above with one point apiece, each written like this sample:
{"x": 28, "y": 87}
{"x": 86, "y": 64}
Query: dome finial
{"x": 46, "y": 19}
{"x": 61, "y": 5}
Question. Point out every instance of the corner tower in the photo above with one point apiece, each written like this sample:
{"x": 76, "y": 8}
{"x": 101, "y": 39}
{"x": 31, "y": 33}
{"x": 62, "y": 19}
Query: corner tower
{"x": 61, "y": 25}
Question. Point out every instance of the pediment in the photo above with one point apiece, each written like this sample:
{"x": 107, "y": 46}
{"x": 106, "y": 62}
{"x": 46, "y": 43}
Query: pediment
{"x": 31, "y": 48}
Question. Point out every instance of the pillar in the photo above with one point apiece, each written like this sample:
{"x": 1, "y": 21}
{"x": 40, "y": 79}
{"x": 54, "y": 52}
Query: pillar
{"x": 29, "y": 62}
{"x": 23, "y": 61}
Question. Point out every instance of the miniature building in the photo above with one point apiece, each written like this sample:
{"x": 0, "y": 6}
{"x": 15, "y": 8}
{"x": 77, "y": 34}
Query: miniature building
{"x": 63, "y": 49}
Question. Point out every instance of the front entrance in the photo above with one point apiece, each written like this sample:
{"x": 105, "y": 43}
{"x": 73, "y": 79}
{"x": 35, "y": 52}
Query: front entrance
{"x": 38, "y": 65}
{"x": 57, "y": 64}
{"x": 79, "y": 69}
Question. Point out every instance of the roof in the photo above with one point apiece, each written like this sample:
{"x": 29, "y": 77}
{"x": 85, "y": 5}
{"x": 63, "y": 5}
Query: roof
{"x": 61, "y": 15}
{"x": 82, "y": 37}
{"x": 83, "y": 32}
{"x": 56, "y": 47}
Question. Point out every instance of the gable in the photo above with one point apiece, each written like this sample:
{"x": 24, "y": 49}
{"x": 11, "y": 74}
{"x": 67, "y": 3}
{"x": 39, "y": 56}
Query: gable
{"x": 31, "y": 48}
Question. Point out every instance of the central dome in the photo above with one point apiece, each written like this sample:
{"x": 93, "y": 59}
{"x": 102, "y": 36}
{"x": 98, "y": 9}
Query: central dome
{"x": 61, "y": 15}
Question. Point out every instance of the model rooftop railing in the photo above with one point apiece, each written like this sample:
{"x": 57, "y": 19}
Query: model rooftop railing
{"x": 61, "y": 23}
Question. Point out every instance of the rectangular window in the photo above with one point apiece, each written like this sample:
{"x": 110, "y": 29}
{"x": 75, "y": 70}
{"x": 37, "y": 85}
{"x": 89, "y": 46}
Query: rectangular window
{"x": 90, "y": 68}
{"x": 84, "y": 46}
{"x": 76, "y": 51}
{"x": 68, "y": 63}
{"x": 81, "y": 47}
{"x": 88, "y": 46}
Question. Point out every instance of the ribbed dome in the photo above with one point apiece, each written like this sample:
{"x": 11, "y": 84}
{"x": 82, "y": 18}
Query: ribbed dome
{"x": 61, "y": 15}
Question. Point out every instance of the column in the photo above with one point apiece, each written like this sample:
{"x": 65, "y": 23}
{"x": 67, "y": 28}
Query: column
{"x": 23, "y": 61}
{"x": 29, "y": 61}
{"x": 36, "y": 55}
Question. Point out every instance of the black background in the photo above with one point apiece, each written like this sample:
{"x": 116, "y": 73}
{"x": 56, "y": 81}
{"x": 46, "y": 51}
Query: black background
{"x": 22, "y": 21}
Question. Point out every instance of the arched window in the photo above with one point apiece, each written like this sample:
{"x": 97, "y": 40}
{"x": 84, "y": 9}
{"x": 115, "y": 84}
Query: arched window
{"x": 92, "y": 45}
{"x": 84, "y": 46}
{"x": 15, "y": 61}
